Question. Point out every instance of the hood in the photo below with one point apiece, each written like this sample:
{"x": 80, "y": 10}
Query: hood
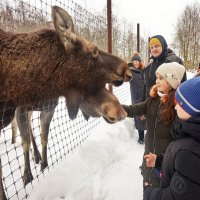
{"x": 188, "y": 128}
{"x": 132, "y": 68}
{"x": 164, "y": 47}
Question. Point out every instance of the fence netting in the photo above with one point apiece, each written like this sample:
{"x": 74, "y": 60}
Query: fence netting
{"x": 64, "y": 134}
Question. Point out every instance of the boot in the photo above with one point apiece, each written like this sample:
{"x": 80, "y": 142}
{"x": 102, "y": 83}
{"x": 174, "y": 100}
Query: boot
{"x": 141, "y": 136}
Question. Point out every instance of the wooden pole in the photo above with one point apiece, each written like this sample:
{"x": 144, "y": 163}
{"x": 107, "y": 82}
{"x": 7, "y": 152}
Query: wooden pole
{"x": 109, "y": 27}
{"x": 138, "y": 38}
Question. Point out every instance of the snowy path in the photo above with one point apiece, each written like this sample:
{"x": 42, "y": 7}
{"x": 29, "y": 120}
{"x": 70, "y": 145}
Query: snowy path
{"x": 105, "y": 167}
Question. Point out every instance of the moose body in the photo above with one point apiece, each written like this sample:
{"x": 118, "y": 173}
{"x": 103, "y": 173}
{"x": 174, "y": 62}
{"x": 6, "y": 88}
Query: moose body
{"x": 47, "y": 64}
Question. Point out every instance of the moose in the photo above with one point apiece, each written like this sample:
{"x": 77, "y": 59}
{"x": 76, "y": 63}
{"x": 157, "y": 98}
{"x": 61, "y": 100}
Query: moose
{"x": 47, "y": 64}
{"x": 50, "y": 63}
{"x": 23, "y": 121}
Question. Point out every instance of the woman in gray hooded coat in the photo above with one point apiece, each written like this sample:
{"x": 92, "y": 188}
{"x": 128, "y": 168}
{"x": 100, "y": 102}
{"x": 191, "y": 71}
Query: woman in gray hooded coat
{"x": 137, "y": 91}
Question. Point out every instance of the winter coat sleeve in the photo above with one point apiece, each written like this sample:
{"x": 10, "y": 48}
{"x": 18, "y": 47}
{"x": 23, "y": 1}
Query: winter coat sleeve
{"x": 159, "y": 160}
{"x": 137, "y": 109}
{"x": 185, "y": 182}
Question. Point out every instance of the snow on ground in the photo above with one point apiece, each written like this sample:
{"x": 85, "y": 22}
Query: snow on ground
{"x": 105, "y": 167}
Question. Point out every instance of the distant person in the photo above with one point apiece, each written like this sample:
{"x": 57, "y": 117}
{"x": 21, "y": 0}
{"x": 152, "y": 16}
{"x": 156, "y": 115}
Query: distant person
{"x": 160, "y": 53}
{"x": 159, "y": 113}
{"x": 198, "y": 70}
{"x": 199, "y": 67}
{"x": 180, "y": 177}
{"x": 137, "y": 91}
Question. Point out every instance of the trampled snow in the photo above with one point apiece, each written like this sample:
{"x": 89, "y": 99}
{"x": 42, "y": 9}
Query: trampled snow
{"x": 105, "y": 167}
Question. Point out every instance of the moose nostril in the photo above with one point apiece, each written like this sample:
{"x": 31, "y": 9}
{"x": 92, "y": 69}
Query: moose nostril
{"x": 118, "y": 82}
{"x": 112, "y": 119}
{"x": 129, "y": 77}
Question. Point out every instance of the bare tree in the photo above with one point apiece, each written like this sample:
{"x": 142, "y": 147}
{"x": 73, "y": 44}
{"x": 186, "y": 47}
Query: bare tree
{"x": 6, "y": 17}
{"x": 131, "y": 41}
{"x": 21, "y": 17}
{"x": 188, "y": 35}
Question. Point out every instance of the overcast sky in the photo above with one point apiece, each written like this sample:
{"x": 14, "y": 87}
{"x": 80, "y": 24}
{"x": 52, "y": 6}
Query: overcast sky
{"x": 155, "y": 16}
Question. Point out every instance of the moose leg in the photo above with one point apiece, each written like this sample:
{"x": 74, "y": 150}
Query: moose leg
{"x": 14, "y": 130}
{"x": 45, "y": 120}
{"x": 2, "y": 192}
{"x": 24, "y": 124}
{"x": 7, "y": 112}
{"x": 37, "y": 155}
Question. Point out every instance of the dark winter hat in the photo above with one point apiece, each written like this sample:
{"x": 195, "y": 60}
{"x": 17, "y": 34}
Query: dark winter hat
{"x": 159, "y": 38}
{"x": 188, "y": 96}
{"x": 136, "y": 56}
{"x": 154, "y": 40}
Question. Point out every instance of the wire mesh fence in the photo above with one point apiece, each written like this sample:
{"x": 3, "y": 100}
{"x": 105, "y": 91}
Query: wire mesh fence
{"x": 29, "y": 15}
{"x": 63, "y": 137}
{"x": 46, "y": 129}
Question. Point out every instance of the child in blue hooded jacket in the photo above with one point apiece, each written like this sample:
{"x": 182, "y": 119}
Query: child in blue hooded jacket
{"x": 180, "y": 178}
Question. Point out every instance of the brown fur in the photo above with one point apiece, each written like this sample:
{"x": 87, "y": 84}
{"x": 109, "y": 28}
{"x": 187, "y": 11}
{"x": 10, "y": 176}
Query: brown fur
{"x": 49, "y": 63}
{"x": 23, "y": 119}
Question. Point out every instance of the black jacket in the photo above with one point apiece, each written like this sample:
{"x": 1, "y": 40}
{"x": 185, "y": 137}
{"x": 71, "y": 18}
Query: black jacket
{"x": 158, "y": 135}
{"x": 181, "y": 165}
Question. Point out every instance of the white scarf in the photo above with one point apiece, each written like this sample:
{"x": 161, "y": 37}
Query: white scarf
{"x": 160, "y": 94}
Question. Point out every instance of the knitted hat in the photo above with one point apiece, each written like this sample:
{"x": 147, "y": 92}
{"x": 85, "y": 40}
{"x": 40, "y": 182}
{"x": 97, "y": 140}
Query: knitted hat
{"x": 172, "y": 72}
{"x": 188, "y": 96}
{"x": 154, "y": 40}
{"x": 136, "y": 56}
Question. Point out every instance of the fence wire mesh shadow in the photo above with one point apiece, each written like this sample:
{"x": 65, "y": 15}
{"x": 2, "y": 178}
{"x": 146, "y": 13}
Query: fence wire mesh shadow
{"x": 64, "y": 136}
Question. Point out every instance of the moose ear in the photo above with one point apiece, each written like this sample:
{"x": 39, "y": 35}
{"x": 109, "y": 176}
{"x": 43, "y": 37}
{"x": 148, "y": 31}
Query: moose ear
{"x": 85, "y": 116}
{"x": 72, "y": 110}
{"x": 63, "y": 23}
{"x": 73, "y": 98}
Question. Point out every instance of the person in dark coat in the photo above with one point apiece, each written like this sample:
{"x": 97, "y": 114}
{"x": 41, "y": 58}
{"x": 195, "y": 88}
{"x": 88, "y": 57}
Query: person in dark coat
{"x": 160, "y": 114}
{"x": 137, "y": 91}
{"x": 180, "y": 178}
{"x": 160, "y": 53}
